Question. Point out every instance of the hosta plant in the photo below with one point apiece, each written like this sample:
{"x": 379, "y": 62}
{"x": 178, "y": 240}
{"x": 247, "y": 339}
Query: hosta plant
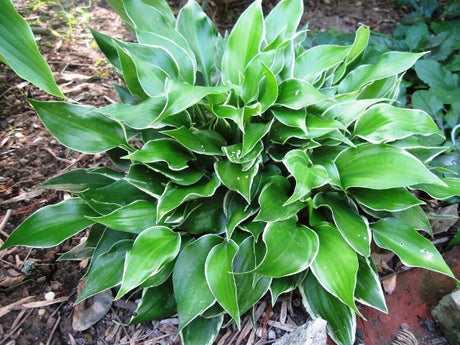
{"x": 245, "y": 165}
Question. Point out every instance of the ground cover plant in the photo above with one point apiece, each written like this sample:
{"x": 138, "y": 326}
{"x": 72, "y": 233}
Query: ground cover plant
{"x": 246, "y": 164}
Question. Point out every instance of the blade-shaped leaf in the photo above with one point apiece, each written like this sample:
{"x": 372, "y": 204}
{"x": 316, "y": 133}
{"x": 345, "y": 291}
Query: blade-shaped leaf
{"x": 189, "y": 275}
{"x": 79, "y": 127}
{"x": 104, "y": 272}
{"x": 384, "y": 123}
{"x": 389, "y": 64}
{"x": 353, "y": 227}
{"x": 273, "y": 199}
{"x": 236, "y": 210}
{"x": 220, "y": 278}
{"x": 202, "y": 331}
{"x": 393, "y": 199}
{"x": 181, "y": 96}
{"x": 283, "y": 18}
{"x": 152, "y": 249}
{"x": 341, "y": 321}
{"x": 235, "y": 178}
{"x": 174, "y": 196}
{"x": 295, "y": 253}
{"x": 146, "y": 180}
{"x": 297, "y": 94}
{"x": 412, "y": 248}
{"x": 381, "y": 167}
{"x": 368, "y": 288}
{"x": 130, "y": 114}
{"x": 204, "y": 142}
{"x": 144, "y": 14}
{"x": 283, "y": 285}
{"x": 338, "y": 277}
{"x": 243, "y": 43}
{"x": 251, "y": 287}
{"x": 134, "y": 217}
{"x": 163, "y": 150}
{"x": 442, "y": 192}
{"x": 306, "y": 176}
{"x": 77, "y": 181}
{"x": 19, "y": 50}
{"x": 51, "y": 225}
{"x": 156, "y": 302}
{"x": 311, "y": 63}
{"x": 254, "y": 132}
{"x": 201, "y": 35}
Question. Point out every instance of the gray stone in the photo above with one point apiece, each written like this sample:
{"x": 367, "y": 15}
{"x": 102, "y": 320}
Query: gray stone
{"x": 310, "y": 333}
{"x": 447, "y": 315}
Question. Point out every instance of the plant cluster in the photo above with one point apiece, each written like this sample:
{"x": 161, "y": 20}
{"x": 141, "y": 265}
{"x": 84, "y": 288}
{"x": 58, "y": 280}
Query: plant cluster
{"x": 246, "y": 164}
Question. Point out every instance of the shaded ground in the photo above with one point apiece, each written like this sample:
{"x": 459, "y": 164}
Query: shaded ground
{"x": 29, "y": 156}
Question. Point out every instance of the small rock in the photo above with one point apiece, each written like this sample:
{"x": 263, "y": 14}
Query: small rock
{"x": 49, "y": 296}
{"x": 310, "y": 333}
{"x": 447, "y": 315}
{"x": 271, "y": 335}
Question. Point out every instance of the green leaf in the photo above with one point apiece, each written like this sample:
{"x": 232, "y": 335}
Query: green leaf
{"x": 306, "y": 175}
{"x": 185, "y": 177}
{"x": 235, "y": 178}
{"x": 295, "y": 253}
{"x": 270, "y": 94}
{"x": 297, "y": 94}
{"x": 384, "y": 123}
{"x": 243, "y": 44}
{"x": 201, "y": 35}
{"x": 381, "y": 167}
{"x": 220, "y": 278}
{"x": 341, "y": 321}
{"x": 353, "y": 227}
{"x": 312, "y": 63}
{"x": 130, "y": 114}
{"x": 146, "y": 180}
{"x": 107, "y": 199}
{"x": 292, "y": 118}
{"x": 202, "y": 331}
{"x": 51, "y": 225}
{"x": 254, "y": 132}
{"x": 412, "y": 248}
{"x": 107, "y": 46}
{"x": 415, "y": 217}
{"x": 175, "y": 196}
{"x": 206, "y": 216}
{"x": 192, "y": 293}
{"x": 181, "y": 96}
{"x": 236, "y": 210}
{"x": 132, "y": 75}
{"x": 77, "y": 181}
{"x": 134, "y": 217}
{"x": 368, "y": 288}
{"x": 338, "y": 277}
{"x": 426, "y": 100}
{"x": 393, "y": 199}
{"x": 283, "y": 285}
{"x": 149, "y": 14}
{"x": 156, "y": 302}
{"x": 273, "y": 201}
{"x": 436, "y": 75}
{"x": 19, "y": 50}
{"x": 163, "y": 150}
{"x": 389, "y": 64}
{"x": 79, "y": 127}
{"x": 451, "y": 188}
{"x": 153, "y": 248}
{"x": 283, "y": 19}
{"x": 250, "y": 287}
{"x": 206, "y": 142}
{"x": 104, "y": 272}
{"x": 240, "y": 116}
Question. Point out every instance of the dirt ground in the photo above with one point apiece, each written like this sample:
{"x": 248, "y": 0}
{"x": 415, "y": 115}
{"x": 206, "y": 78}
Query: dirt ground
{"x": 29, "y": 156}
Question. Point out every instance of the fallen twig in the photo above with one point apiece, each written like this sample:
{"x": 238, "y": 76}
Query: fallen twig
{"x": 54, "y": 330}
{"x": 6, "y": 309}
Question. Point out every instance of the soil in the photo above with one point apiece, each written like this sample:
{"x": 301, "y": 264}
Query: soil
{"x": 29, "y": 155}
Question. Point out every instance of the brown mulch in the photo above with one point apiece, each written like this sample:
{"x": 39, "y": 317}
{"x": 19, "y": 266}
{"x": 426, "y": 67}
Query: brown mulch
{"x": 29, "y": 155}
